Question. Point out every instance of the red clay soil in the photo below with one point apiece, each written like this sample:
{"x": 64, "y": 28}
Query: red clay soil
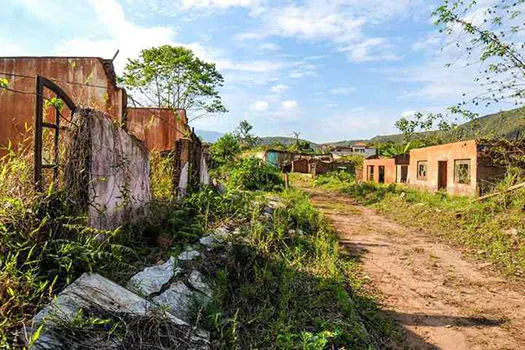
{"x": 440, "y": 299}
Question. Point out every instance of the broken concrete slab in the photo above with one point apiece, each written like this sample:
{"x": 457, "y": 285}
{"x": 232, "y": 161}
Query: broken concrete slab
{"x": 151, "y": 280}
{"x": 94, "y": 291}
{"x": 197, "y": 281}
{"x": 207, "y": 241}
{"x": 178, "y": 299}
{"x": 189, "y": 255}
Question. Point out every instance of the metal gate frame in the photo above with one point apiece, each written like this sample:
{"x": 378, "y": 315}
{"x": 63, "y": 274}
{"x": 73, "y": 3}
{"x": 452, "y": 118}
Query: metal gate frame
{"x": 42, "y": 83}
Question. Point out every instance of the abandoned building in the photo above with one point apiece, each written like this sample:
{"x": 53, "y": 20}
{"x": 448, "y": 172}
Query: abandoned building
{"x": 89, "y": 82}
{"x": 281, "y": 158}
{"x": 459, "y": 168}
{"x": 358, "y": 148}
{"x": 386, "y": 170}
{"x": 43, "y": 96}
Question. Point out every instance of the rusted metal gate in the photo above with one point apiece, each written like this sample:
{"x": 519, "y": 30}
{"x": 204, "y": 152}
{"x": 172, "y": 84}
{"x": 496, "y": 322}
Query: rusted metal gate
{"x": 40, "y": 124}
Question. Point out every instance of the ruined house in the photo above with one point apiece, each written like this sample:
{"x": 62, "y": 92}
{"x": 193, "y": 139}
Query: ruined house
{"x": 30, "y": 118}
{"x": 386, "y": 170}
{"x": 460, "y": 168}
{"x": 281, "y": 158}
{"x": 89, "y": 81}
{"x": 358, "y": 148}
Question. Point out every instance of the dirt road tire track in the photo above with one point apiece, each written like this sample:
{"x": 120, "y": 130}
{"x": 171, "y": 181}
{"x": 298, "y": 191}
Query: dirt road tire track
{"x": 440, "y": 299}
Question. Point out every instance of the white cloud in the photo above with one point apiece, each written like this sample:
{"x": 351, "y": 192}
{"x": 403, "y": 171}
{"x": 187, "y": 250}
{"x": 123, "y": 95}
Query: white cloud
{"x": 9, "y": 48}
{"x": 343, "y": 91}
{"x": 121, "y": 34}
{"x": 268, "y": 47}
{"x": 189, "y": 4}
{"x": 373, "y": 49}
{"x": 289, "y": 104}
{"x": 259, "y": 106}
{"x": 279, "y": 88}
{"x": 342, "y": 23}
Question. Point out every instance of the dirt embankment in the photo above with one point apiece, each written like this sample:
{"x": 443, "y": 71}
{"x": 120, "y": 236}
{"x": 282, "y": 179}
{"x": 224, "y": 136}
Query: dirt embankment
{"x": 441, "y": 300}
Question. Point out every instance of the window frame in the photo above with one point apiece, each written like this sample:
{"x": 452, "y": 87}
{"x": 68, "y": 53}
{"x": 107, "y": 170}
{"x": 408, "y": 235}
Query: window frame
{"x": 459, "y": 162}
{"x": 418, "y": 175}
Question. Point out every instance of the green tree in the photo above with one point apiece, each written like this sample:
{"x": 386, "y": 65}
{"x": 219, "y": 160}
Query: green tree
{"x": 225, "y": 150}
{"x": 174, "y": 77}
{"x": 243, "y": 135}
{"x": 492, "y": 38}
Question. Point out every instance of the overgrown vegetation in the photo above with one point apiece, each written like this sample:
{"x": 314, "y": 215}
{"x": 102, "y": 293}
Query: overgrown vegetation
{"x": 493, "y": 229}
{"x": 286, "y": 285}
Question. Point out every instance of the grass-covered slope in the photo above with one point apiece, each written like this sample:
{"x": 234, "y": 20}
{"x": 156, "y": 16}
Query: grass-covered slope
{"x": 506, "y": 124}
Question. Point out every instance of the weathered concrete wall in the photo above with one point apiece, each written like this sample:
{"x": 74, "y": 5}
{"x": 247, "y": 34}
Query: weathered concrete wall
{"x": 89, "y": 81}
{"x": 159, "y": 128}
{"x": 118, "y": 168}
{"x": 389, "y": 165}
{"x": 300, "y": 166}
{"x": 464, "y": 150}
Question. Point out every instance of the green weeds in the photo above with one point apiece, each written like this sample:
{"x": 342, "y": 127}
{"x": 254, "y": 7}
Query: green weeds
{"x": 285, "y": 285}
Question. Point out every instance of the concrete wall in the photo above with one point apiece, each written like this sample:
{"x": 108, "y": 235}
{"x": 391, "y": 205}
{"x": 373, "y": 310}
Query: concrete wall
{"x": 300, "y": 166}
{"x": 119, "y": 185}
{"x": 465, "y": 150}
{"x": 159, "y": 128}
{"x": 389, "y": 165}
{"x": 90, "y": 82}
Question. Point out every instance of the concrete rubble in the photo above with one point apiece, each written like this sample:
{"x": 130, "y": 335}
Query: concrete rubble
{"x": 152, "y": 279}
{"x": 175, "y": 287}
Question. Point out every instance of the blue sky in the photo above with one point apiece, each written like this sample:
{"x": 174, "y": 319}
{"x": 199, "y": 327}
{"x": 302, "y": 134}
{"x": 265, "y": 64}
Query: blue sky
{"x": 329, "y": 69}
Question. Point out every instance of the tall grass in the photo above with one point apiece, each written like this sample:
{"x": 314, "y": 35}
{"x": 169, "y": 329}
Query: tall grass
{"x": 286, "y": 285}
{"x": 493, "y": 229}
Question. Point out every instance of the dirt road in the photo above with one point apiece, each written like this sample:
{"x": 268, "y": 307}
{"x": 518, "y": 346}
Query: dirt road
{"x": 442, "y": 300}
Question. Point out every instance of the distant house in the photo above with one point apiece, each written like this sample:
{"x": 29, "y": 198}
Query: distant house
{"x": 459, "y": 168}
{"x": 281, "y": 158}
{"x": 386, "y": 170}
{"x": 358, "y": 148}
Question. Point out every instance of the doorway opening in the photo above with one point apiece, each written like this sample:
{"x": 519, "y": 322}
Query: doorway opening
{"x": 381, "y": 174}
{"x": 442, "y": 175}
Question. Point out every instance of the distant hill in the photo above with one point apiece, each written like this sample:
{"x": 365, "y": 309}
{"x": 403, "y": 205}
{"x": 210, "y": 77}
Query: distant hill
{"x": 266, "y": 141}
{"x": 209, "y": 136}
{"x": 507, "y": 124}
{"x": 344, "y": 143}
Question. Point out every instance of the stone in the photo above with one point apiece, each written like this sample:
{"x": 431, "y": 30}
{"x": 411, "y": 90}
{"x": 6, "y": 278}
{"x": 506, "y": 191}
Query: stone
{"x": 188, "y": 255}
{"x": 178, "y": 299}
{"x": 221, "y": 234}
{"x": 198, "y": 282}
{"x": 94, "y": 291}
{"x": 151, "y": 280}
{"x": 207, "y": 241}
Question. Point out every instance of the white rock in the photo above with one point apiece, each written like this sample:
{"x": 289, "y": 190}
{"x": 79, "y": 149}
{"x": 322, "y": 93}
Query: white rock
{"x": 207, "y": 241}
{"x": 189, "y": 255}
{"x": 87, "y": 292}
{"x": 198, "y": 282}
{"x": 178, "y": 299}
{"x": 153, "y": 278}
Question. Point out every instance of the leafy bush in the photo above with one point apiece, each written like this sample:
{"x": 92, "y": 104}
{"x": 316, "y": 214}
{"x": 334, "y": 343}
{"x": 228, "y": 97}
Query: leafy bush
{"x": 254, "y": 174}
{"x": 334, "y": 180}
{"x": 42, "y": 250}
{"x": 225, "y": 150}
